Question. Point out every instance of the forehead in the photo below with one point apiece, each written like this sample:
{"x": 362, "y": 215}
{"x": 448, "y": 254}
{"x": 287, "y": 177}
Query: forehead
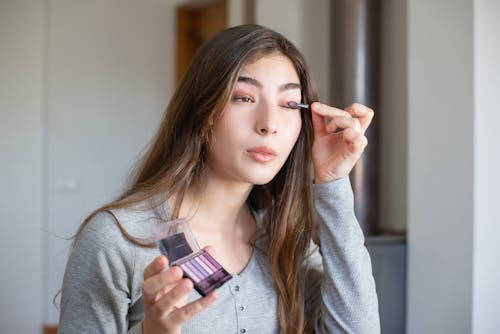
{"x": 270, "y": 64}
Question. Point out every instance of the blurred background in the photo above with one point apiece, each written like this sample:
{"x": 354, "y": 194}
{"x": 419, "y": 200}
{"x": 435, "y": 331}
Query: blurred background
{"x": 83, "y": 86}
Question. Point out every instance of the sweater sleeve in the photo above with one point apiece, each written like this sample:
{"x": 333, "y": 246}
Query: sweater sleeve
{"x": 341, "y": 273}
{"x": 95, "y": 295}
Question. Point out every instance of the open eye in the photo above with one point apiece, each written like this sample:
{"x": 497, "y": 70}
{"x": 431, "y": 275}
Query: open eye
{"x": 242, "y": 98}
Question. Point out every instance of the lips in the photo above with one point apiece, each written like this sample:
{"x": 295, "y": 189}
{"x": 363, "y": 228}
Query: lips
{"x": 262, "y": 153}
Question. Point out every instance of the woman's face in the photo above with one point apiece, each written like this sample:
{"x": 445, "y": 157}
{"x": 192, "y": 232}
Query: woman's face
{"x": 257, "y": 129}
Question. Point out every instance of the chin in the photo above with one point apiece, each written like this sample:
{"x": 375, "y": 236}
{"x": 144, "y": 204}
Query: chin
{"x": 259, "y": 175}
{"x": 261, "y": 179}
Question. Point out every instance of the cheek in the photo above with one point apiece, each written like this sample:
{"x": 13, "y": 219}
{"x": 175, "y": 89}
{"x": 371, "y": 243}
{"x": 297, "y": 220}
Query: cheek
{"x": 294, "y": 128}
{"x": 229, "y": 132}
{"x": 233, "y": 127}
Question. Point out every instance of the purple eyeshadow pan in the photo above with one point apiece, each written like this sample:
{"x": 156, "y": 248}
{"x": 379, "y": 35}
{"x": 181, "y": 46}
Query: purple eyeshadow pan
{"x": 195, "y": 270}
{"x": 204, "y": 277}
{"x": 205, "y": 267}
{"x": 205, "y": 272}
{"x": 187, "y": 270}
{"x": 199, "y": 268}
{"x": 212, "y": 261}
{"x": 208, "y": 263}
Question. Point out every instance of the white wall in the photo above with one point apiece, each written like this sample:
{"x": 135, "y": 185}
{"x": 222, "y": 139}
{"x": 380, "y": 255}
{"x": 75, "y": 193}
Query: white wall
{"x": 83, "y": 86}
{"x": 110, "y": 73}
{"x": 236, "y": 12}
{"x": 283, "y": 16}
{"x": 440, "y": 147}
{"x": 314, "y": 22}
{"x": 21, "y": 95}
{"x": 486, "y": 289}
{"x": 306, "y": 24}
{"x": 453, "y": 189}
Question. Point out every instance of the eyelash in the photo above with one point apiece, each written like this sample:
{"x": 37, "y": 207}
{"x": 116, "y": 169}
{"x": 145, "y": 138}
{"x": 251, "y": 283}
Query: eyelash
{"x": 244, "y": 99}
{"x": 287, "y": 105}
{"x": 248, "y": 99}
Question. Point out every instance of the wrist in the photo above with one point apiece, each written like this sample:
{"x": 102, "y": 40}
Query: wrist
{"x": 329, "y": 177}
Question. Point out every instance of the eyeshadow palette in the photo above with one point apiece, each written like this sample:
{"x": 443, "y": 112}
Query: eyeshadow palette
{"x": 176, "y": 241}
{"x": 206, "y": 273}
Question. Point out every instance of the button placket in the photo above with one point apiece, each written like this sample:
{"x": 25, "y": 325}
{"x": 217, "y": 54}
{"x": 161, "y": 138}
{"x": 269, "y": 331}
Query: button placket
{"x": 239, "y": 299}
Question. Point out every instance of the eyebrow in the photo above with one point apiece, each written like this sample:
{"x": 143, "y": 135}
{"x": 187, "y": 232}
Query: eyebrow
{"x": 258, "y": 84}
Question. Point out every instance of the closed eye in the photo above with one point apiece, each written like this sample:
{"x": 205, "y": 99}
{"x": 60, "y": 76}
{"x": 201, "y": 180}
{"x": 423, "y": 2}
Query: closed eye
{"x": 290, "y": 105}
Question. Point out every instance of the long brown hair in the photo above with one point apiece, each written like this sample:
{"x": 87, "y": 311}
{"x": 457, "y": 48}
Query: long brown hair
{"x": 177, "y": 157}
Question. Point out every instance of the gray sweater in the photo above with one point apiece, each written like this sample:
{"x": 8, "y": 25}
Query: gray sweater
{"x": 102, "y": 284}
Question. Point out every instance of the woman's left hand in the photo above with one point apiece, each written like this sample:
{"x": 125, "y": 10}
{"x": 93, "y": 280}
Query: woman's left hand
{"x": 334, "y": 154}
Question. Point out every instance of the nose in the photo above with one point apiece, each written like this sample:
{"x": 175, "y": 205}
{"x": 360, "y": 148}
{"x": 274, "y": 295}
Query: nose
{"x": 267, "y": 122}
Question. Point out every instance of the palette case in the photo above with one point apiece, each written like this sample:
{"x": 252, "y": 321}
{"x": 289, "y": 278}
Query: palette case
{"x": 176, "y": 241}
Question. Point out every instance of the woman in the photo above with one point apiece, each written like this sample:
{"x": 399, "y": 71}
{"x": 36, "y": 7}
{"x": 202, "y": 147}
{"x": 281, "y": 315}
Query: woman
{"x": 233, "y": 156}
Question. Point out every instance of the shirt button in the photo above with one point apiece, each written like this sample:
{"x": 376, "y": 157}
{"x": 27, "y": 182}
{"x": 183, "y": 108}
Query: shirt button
{"x": 237, "y": 288}
{"x": 243, "y": 330}
{"x": 242, "y": 308}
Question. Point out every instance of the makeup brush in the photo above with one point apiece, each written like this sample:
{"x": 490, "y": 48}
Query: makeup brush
{"x": 295, "y": 105}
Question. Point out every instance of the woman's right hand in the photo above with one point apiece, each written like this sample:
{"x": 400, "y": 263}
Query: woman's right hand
{"x": 164, "y": 294}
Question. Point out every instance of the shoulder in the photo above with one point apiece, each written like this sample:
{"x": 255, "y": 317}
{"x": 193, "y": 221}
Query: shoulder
{"x": 99, "y": 253}
{"x": 115, "y": 228}
{"x": 135, "y": 221}
{"x": 101, "y": 234}
{"x": 109, "y": 244}
{"x": 100, "y": 228}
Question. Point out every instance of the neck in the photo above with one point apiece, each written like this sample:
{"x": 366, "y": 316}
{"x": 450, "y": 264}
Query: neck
{"x": 218, "y": 206}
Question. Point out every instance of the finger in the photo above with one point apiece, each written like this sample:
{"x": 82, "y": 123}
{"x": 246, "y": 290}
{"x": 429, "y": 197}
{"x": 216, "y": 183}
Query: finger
{"x": 168, "y": 302}
{"x": 185, "y": 313}
{"x": 356, "y": 141}
{"x": 210, "y": 250}
{"x": 328, "y": 111}
{"x": 321, "y": 116}
{"x": 342, "y": 122}
{"x": 155, "y": 267}
{"x": 363, "y": 113}
{"x": 319, "y": 124}
{"x": 155, "y": 287}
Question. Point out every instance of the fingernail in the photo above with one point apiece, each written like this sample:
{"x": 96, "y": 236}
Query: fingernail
{"x": 160, "y": 261}
{"x": 178, "y": 272}
{"x": 187, "y": 286}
